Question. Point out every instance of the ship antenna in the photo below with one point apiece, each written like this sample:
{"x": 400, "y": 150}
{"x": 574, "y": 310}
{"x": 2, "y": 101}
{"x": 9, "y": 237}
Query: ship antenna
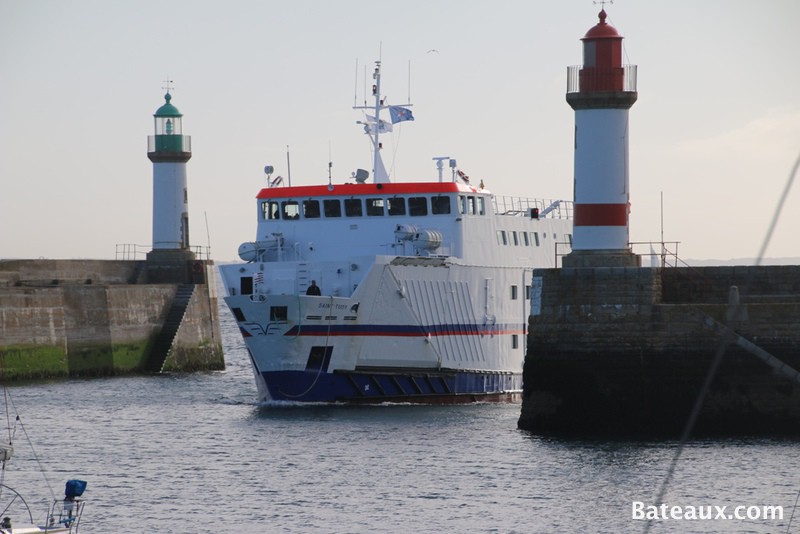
{"x": 330, "y": 162}
{"x": 355, "y": 87}
{"x": 409, "y": 82}
{"x": 288, "y": 167}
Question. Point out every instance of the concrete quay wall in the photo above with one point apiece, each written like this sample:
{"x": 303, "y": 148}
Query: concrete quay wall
{"x": 625, "y": 351}
{"x": 93, "y": 317}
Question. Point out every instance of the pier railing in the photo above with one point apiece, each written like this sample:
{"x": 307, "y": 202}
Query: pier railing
{"x": 128, "y": 251}
{"x": 660, "y": 254}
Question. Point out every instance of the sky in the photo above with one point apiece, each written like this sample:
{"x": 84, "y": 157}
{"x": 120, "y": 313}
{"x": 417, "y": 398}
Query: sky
{"x": 714, "y": 133}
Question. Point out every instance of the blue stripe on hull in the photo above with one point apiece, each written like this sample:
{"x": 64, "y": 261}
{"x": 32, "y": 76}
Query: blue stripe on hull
{"x": 372, "y": 387}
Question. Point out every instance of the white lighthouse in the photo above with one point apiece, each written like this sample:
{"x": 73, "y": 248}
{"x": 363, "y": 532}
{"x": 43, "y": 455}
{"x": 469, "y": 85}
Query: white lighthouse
{"x": 169, "y": 150}
{"x": 601, "y": 91}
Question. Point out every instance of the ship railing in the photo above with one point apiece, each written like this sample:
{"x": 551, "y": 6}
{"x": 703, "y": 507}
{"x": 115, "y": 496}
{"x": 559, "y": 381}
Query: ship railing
{"x": 522, "y": 207}
{"x": 130, "y": 251}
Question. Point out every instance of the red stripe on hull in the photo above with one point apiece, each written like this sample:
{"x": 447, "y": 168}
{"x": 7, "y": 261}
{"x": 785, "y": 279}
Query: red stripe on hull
{"x": 601, "y": 215}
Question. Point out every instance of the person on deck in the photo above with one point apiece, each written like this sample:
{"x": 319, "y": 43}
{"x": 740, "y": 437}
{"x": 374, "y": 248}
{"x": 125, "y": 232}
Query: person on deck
{"x": 313, "y": 289}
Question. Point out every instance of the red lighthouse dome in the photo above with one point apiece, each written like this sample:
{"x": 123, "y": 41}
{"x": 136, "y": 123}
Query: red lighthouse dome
{"x": 602, "y": 58}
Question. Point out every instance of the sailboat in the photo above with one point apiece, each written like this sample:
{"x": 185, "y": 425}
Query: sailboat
{"x": 63, "y": 516}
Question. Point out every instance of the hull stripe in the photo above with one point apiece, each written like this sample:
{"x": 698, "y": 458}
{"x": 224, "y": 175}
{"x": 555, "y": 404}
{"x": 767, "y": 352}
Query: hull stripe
{"x": 389, "y": 330}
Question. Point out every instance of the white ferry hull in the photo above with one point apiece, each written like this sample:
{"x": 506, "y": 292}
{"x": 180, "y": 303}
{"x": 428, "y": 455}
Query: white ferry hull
{"x": 410, "y": 333}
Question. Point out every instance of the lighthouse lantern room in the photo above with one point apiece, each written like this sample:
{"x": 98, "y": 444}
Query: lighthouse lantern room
{"x": 169, "y": 150}
{"x": 601, "y": 91}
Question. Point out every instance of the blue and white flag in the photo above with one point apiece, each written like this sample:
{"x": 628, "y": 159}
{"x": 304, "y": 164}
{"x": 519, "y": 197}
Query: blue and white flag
{"x": 382, "y": 126}
{"x": 400, "y": 114}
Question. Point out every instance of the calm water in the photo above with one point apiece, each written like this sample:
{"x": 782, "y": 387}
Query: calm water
{"x": 194, "y": 453}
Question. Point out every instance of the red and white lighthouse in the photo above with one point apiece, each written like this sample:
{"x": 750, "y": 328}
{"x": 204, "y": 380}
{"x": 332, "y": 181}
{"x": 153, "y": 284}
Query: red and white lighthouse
{"x": 601, "y": 91}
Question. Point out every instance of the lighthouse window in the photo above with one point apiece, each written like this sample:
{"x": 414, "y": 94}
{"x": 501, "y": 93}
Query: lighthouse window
{"x": 514, "y": 341}
{"x": 397, "y": 206}
{"x": 291, "y": 210}
{"x": 333, "y": 208}
{"x": 352, "y": 207}
{"x": 311, "y": 209}
{"x": 418, "y": 206}
{"x": 440, "y": 205}
{"x": 375, "y": 207}
{"x": 270, "y": 211}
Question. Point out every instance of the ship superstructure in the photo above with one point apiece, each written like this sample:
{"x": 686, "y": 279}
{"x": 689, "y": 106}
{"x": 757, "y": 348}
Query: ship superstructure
{"x": 423, "y": 286}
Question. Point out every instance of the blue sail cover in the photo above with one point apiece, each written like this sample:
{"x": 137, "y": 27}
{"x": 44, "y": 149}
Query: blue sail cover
{"x": 75, "y": 488}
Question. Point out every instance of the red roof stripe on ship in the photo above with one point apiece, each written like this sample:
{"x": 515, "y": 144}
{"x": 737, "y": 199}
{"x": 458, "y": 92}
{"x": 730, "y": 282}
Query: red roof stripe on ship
{"x": 365, "y": 189}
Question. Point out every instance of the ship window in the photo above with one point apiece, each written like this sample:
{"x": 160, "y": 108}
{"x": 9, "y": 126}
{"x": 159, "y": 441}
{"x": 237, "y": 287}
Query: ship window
{"x": 417, "y": 206}
{"x": 352, "y": 207}
{"x": 525, "y": 239}
{"x": 397, "y": 206}
{"x": 462, "y": 205}
{"x": 481, "y": 206}
{"x": 270, "y": 210}
{"x": 527, "y": 292}
{"x": 471, "y": 206}
{"x": 375, "y": 207}
{"x": 535, "y": 236}
{"x": 514, "y": 341}
{"x": 513, "y": 292}
{"x": 440, "y": 205}
{"x": 246, "y": 285}
{"x": 311, "y": 209}
{"x": 291, "y": 210}
{"x": 502, "y": 238}
{"x": 333, "y": 208}
{"x": 515, "y": 238}
{"x": 569, "y": 239}
{"x": 278, "y": 313}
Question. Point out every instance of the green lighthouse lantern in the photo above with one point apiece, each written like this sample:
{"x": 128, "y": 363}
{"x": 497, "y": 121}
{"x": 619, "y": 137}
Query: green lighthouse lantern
{"x": 169, "y": 139}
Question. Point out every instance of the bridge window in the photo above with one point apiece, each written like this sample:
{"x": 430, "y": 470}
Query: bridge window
{"x": 462, "y": 204}
{"x": 513, "y": 292}
{"x": 525, "y": 239}
{"x": 352, "y": 207}
{"x": 440, "y": 205}
{"x": 471, "y": 205}
{"x": 397, "y": 206}
{"x": 311, "y": 209}
{"x": 270, "y": 211}
{"x": 375, "y": 207}
{"x": 291, "y": 210}
{"x": 535, "y": 236}
{"x": 417, "y": 206}
{"x": 515, "y": 238}
{"x": 333, "y": 208}
{"x": 481, "y": 206}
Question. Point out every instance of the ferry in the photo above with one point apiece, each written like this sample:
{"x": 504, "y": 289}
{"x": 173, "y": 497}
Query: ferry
{"x": 376, "y": 291}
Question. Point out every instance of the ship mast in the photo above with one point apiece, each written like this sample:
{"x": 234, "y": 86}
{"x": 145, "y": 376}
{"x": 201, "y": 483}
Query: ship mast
{"x": 379, "y": 174}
